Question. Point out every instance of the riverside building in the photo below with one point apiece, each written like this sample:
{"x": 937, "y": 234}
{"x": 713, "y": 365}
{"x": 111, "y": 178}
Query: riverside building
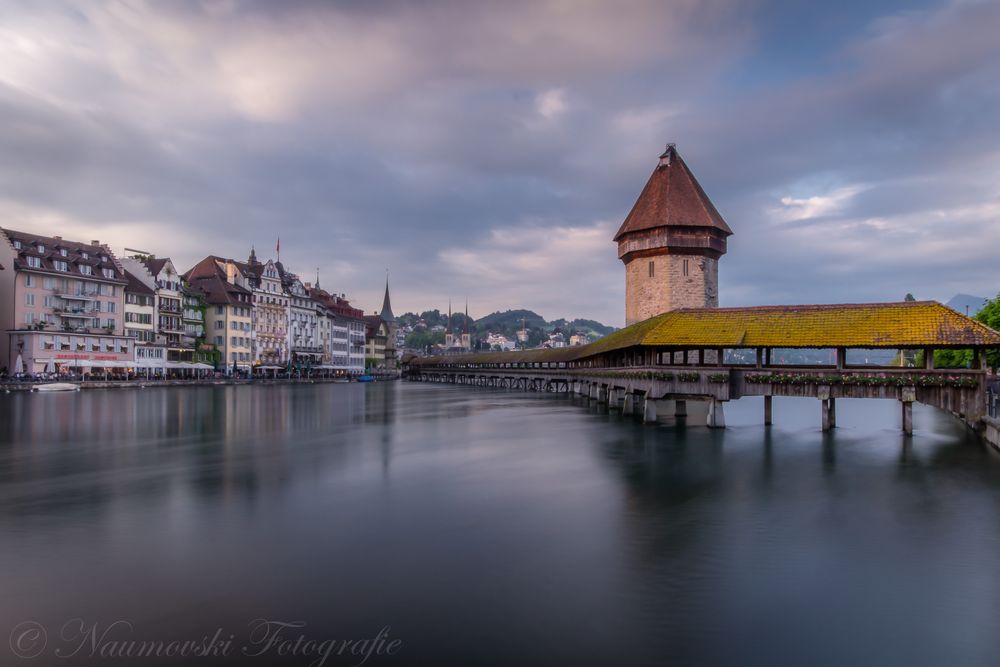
{"x": 63, "y": 304}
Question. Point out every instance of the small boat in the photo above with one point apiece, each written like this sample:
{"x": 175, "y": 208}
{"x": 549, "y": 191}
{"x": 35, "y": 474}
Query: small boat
{"x": 365, "y": 378}
{"x": 58, "y": 386}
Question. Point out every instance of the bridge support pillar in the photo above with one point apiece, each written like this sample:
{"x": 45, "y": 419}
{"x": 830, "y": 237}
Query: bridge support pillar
{"x": 767, "y": 410}
{"x": 680, "y": 408}
{"x": 716, "y": 415}
{"x": 907, "y": 417}
{"x": 602, "y": 394}
{"x": 628, "y": 405}
{"x": 827, "y": 411}
{"x": 648, "y": 410}
{"x": 616, "y": 398}
{"x": 833, "y": 413}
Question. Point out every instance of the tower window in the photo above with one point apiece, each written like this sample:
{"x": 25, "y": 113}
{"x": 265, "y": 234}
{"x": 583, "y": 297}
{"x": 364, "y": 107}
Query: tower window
{"x": 652, "y": 269}
{"x": 686, "y": 267}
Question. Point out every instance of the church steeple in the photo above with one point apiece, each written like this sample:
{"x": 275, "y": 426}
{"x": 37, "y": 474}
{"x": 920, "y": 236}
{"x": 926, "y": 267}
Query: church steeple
{"x": 449, "y": 338}
{"x": 466, "y": 336}
{"x": 386, "y": 313}
{"x": 253, "y": 256}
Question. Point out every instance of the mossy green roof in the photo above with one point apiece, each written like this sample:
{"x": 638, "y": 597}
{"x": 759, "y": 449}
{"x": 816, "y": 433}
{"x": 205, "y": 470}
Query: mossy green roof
{"x": 906, "y": 324}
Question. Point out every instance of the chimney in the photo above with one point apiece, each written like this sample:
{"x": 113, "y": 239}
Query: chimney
{"x": 667, "y": 155}
{"x": 57, "y": 238}
{"x": 95, "y": 242}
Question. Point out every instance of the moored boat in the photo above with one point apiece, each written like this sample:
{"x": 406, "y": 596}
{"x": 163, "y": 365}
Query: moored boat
{"x": 58, "y": 386}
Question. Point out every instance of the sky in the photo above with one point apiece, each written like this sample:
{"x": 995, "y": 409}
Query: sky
{"x": 489, "y": 150}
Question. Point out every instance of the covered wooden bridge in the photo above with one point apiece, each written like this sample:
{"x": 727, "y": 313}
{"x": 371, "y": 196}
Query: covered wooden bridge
{"x": 880, "y": 350}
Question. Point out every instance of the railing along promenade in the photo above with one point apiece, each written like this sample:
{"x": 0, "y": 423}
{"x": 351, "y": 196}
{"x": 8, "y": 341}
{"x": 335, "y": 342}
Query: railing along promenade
{"x": 664, "y": 362}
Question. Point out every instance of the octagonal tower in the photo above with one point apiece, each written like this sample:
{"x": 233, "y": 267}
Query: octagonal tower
{"x": 670, "y": 243}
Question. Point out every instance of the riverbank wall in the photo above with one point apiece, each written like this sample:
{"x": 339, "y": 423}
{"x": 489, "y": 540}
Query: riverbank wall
{"x": 144, "y": 384}
{"x": 991, "y": 432}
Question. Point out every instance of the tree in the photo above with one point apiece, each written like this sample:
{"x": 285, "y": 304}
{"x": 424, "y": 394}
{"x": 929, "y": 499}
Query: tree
{"x": 990, "y": 316}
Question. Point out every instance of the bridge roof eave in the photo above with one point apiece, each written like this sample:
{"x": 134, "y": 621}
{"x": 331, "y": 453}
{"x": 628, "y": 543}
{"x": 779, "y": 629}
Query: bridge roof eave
{"x": 902, "y": 325}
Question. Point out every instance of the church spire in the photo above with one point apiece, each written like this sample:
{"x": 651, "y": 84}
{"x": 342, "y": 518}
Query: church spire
{"x": 386, "y": 313}
{"x": 253, "y": 256}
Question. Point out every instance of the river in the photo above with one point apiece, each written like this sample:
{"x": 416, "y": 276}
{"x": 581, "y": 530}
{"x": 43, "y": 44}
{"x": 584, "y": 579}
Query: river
{"x": 490, "y": 527}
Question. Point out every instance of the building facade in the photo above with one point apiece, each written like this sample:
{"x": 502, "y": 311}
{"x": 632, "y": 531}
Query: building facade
{"x": 140, "y": 322}
{"x": 270, "y": 313}
{"x": 671, "y": 242}
{"x": 63, "y": 305}
{"x": 303, "y": 322}
{"x": 342, "y": 332}
{"x": 228, "y": 311}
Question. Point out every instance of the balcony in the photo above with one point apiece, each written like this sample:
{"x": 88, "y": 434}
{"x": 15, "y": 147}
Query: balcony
{"x": 170, "y": 308}
{"x": 75, "y": 296}
{"x": 75, "y": 315}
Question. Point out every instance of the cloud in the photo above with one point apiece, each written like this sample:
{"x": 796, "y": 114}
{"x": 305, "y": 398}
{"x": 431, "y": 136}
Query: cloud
{"x": 551, "y": 103}
{"x": 472, "y": 147}
{"x": 807, "y": 208}
{"x": 554, "y": 268}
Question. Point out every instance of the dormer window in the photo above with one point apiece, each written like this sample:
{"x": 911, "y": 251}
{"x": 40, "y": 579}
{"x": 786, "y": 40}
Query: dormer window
{"x": 41, "y": 249}
{"x": 60, "y": 266}
{"x": 86, "y": 269}
{"x": 109, "y": 273}
{"x": 34, "y": 262}
{"x": 62, "y": 251}
{"x": 104, "y": 258}
{"x": 17, "y": 245}
{"x": 84, "y": 254}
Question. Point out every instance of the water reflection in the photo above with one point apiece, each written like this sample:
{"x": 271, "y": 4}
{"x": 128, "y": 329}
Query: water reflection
{"x": 500, "y": 528}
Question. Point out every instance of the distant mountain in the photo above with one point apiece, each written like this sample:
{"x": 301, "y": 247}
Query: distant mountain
{"x": 510, "y": 318}
{"x": 508, "y": 323}
{"x": 961, "y": 302}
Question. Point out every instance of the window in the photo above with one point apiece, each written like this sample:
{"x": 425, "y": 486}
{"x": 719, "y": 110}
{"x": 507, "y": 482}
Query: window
{"x": 652, "y": 269}
{"x": 86, "y": 269}
{"x": 62, "y": 251}
{"x": 29, "y": 318}
{"x": 108, "y": 273}
{"x": 48, "y": 283}
{"x": 84, "y": 254}
{"x": 220, "y": 310}
{"x": 686, "y": 267}
{"x": 34, "y": 262}
{"x": 61, "y": 266}
{"x": 17, "y": 245}
{"x": 218, "y": 340}
{"x": 50, "y": 302}
{"x": 219, "y": 324}
{"x": 29, "y": 299}
{"x": 29, "y": 280}
{"x": 110, "y": 306}
{"x": 41, "y": 248}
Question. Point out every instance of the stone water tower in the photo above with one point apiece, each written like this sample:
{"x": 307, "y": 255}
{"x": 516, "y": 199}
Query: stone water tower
{"x": 671, "y": 243}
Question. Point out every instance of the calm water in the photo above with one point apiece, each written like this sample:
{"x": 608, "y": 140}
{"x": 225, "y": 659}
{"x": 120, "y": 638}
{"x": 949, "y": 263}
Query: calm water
{"x": 485, "y": 527}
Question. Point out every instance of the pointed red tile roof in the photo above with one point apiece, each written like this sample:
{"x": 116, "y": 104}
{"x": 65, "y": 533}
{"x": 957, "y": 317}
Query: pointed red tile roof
{"x": 672, "y": 198}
